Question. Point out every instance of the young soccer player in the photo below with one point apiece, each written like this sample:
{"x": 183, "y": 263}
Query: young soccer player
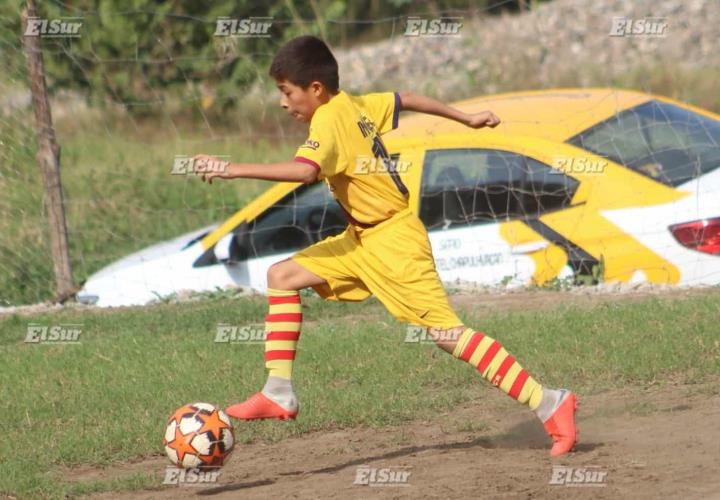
{"x": 384, "y": 251}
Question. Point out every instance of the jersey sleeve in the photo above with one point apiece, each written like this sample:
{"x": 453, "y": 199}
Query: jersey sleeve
{"x": 320, "y": 149}
{"x": 384, "y": 110}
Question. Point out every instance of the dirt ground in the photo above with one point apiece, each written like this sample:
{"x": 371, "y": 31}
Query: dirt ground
{"x": 655, "y": 443}
{"x": 662, "y": 442}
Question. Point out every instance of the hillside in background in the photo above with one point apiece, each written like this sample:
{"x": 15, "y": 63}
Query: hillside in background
{"x": 560, "y": 43}
{"x": 563, "y": 43}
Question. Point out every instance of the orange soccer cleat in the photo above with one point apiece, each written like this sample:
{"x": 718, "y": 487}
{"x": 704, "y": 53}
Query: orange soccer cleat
{"x": 561, "y": 426}
{"x": 259, "y": 406}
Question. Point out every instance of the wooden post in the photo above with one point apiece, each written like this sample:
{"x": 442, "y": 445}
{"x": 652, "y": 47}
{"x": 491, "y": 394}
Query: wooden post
{"x": 48, "y": 158}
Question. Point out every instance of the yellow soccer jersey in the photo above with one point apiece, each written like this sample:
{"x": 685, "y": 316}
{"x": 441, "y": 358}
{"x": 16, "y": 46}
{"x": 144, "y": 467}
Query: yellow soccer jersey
{"x": 344, "y": 145}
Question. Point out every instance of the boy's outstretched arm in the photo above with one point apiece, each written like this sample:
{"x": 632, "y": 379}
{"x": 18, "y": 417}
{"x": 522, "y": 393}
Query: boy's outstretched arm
{"x": 288, "y": 171}
{"x": 423, "y": 104}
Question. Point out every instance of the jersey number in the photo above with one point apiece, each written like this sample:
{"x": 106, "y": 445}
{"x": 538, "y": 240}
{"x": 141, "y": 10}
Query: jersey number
{"x": 378, "y": 149}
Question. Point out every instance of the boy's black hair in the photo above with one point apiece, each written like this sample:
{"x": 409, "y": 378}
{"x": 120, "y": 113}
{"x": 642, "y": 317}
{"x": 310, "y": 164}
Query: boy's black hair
{"x": 306, "y": 59}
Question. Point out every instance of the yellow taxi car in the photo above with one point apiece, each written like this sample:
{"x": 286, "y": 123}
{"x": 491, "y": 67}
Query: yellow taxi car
{"x": 616, "y": 185}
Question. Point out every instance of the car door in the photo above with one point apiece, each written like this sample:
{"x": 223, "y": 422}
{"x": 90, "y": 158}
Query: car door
{"x": 467, "y": 198}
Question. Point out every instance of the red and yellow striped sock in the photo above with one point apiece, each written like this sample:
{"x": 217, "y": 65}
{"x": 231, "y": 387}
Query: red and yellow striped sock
{"x": 497, "y": 366}
{"x": 282, "y": 325}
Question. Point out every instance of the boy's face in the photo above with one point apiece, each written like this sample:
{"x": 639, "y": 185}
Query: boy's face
{"x": 299, "y": 102}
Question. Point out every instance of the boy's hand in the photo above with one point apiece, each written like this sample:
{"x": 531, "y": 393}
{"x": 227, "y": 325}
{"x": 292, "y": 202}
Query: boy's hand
{"x": 482, "y": 119}
{"x": 209, "y": 167}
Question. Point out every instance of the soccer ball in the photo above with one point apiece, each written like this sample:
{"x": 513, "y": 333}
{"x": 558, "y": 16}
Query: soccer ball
{"x": 198, "y": 435}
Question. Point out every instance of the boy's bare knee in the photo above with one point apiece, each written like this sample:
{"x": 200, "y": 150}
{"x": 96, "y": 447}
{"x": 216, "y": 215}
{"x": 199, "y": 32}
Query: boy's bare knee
{"x": 278, "y": 276}
{"x": 289, "y": 275}
{"x": 446, "y": 338}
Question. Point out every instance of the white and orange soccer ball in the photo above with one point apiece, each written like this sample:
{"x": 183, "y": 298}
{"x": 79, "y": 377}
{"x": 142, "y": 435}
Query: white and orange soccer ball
{"x": 198, "y": 435}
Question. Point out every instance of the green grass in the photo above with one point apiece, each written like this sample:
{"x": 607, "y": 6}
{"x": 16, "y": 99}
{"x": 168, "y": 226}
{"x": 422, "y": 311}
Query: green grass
{"x": 120, "y": 195}
{"x": 105, "y": 400}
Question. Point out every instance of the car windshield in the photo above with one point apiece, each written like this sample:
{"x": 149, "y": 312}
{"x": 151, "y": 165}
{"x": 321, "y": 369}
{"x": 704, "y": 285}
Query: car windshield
{"x": 667, "y": 143}
{"x": 306, "y": 215}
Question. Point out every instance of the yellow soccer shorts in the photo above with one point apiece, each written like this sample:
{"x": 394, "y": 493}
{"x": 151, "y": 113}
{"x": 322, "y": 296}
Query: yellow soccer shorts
{"x": 391, "y": 260}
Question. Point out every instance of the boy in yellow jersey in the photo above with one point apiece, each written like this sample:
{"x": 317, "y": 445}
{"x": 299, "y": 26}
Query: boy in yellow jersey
{"x": 384, "y": 251}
